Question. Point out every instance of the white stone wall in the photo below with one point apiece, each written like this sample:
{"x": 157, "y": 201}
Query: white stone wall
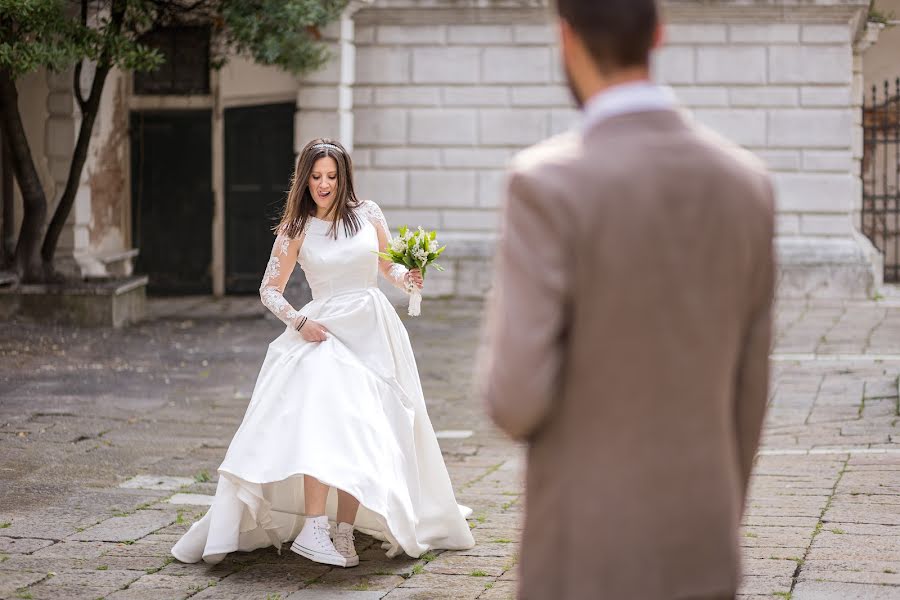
{"x": 439, "y": 110}
{"x": 784, "y": 92}
{"x": 442, "y": 102}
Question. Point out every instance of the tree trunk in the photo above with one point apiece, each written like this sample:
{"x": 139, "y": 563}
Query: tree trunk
{"x": 89, "y": 110}
{"x": 7, "y": 235}
{"x": 26, "y": 258}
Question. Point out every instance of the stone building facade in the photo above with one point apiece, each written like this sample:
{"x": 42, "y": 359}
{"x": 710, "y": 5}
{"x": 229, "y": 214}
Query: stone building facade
{"x": 435, "y": 96}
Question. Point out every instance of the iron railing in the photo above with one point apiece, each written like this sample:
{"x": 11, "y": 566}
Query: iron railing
{"x": 880, "y": 173}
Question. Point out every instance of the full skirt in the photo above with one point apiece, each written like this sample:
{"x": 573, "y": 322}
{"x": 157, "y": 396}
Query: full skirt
{"x": 348, "y": 411}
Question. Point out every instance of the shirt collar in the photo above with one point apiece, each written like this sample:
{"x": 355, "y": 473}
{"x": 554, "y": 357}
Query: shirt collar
{"x": 626, "y": 98}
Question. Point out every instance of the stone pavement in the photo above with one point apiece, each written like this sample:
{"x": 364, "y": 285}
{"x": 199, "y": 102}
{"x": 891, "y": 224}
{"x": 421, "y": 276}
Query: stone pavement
{"x": 109, "y": 443}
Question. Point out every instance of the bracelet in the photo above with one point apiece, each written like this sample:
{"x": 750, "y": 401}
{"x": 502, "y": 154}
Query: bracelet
{"x": 302, "y": 323}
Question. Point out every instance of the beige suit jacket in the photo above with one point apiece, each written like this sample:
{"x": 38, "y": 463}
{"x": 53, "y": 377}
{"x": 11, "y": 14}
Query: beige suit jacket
{"x": 627, "y": 341}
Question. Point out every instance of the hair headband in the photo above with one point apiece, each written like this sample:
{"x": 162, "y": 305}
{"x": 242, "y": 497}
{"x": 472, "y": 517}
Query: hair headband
{"x": 326, "y": 145}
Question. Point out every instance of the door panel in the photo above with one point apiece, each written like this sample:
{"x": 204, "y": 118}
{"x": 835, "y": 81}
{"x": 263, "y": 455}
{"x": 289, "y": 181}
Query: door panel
{"x": 172, "y": 199}
{"x": 259, "y": 162}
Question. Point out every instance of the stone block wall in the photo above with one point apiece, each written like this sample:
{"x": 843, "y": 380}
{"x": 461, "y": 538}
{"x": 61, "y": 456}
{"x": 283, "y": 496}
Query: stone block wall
{"x": 440, "y": 106}
{"x": 444, "y": 95}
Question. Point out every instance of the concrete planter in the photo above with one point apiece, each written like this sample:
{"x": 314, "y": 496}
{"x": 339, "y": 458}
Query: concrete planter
{"x": 108, "y": 303}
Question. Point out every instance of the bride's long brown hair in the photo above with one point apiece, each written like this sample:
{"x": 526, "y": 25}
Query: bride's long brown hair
{"x": 300, "y": 206}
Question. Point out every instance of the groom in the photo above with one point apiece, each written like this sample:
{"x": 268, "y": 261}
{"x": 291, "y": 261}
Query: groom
{"x": 628, "y": 330}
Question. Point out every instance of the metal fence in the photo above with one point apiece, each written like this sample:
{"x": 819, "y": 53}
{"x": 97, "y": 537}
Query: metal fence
{"x": 880, "y": 173}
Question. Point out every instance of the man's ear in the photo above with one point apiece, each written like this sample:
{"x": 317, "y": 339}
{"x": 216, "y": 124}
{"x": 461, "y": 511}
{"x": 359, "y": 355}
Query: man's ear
{"x": 659, "y": 36}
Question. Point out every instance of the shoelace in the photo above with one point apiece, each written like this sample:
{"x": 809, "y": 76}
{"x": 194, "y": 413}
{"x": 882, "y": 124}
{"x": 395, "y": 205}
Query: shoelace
{"x": 322, "y": 532}
{"x": 344, "y": 543}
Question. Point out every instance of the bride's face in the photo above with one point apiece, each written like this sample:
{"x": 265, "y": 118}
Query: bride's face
{"x": 323, "y": 182}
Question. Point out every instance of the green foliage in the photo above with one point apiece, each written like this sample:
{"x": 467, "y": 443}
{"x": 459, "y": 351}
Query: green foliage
{"x": 53, "y": 33}
{"x": 280, "y": 32}
{"x": 879, "y": 16}
{"x": 47, "y": 33}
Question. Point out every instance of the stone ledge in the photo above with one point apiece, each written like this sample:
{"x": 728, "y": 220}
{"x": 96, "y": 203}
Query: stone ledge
{"x": 107, "y": 303}
{"x": 827, "y": 267}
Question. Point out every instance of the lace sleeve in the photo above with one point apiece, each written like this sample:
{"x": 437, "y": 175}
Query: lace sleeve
{"x": 393, "y": 272}
{"x": 278, "y": 271}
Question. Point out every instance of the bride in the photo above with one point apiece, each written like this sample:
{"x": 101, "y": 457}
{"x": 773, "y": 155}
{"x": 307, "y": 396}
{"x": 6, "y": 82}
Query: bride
{"x": 336, "y": 428}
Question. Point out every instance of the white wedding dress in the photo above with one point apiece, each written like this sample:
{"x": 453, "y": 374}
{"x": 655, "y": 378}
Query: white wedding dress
{"x": 348, "y": 411}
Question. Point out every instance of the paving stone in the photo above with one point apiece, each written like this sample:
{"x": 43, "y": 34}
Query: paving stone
{"x": 22, "y": 545}
{"x": 822, "y": 590}
{"x": 10, "y": 581}
{"x": 312, "y": 593}
{"x": 130, "y": 527}
{"x": 167, "y": 424}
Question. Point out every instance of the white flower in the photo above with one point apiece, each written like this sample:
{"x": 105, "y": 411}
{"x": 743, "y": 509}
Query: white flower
{"x": 397, "y": 244}
{"x": 420, "y": 255}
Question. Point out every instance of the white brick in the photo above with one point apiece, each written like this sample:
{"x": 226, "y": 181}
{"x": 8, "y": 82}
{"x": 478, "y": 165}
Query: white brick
{"x": 825, "y": 224}
{"x": 379, "y": 126}
{"x": 745, "y": 127}
{"x": 443, "y": 126}
{"x": 825, "y": 96}
{"x": 382, "y": 65}
{"x": 763, "y": 96}
{"x": 822, "y": 193}
{"x": 310, "y": 124}
{"x": 512, "y": 127}
{"x": 839, "y": 161}
{"x": 824, "y": 128}
{"x": 765, "y": 34}
{"x": 362, "y": 96}
{"x": 535, "y": 34}
{"x": 362, "y": 158}
{"x": 442, "y": 188}
{"x": 810, "y": 64}
{"x": 780, "y": 160}
{"x": 476, "y": 158}
{"x": 541, "y": 95}
{"x": 407, "y": 157}
{"x": 411, "y": 95}
{"x": 411, "y": 34}
{"x": 364, "y": 34}
{"x": 787, "y": 224}
{"x": 479, "y": 34}
{"x": 731, "y": 64}
{"x": 702, "y": 96}
{"x": 516, "y": 65}
{"x": 317, "y": 96}
{"x": 441, "y": 284}
{"x": 474, "y": 278}
{"x": 825, "y": 34}
{"x": 674, "y": 65}
{"x": 470, "y": 220}
{"x": 455, "y": 64}
{"x": 695, "y": 34}
{"x": 387, "y": 188}
{"x": 564, "y": 120}
{"x": 330, "y": 72}
{"x": 476, "y": 96}
{"x": 491, "y": 188}
{"x": 429, "y": 219}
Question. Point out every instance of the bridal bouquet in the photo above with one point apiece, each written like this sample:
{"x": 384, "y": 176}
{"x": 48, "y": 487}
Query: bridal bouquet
{"x": 414, "y": 249}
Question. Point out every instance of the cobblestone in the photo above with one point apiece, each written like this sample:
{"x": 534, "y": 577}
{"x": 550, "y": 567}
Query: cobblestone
{"x": 109, "y": 442}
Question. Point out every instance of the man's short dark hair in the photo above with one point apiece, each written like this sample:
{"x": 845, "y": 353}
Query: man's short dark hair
{"x": 617, "y": 33}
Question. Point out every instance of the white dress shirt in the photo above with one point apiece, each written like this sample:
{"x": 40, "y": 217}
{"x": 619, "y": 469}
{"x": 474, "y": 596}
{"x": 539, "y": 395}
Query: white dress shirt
{"x": 626, "y": 98}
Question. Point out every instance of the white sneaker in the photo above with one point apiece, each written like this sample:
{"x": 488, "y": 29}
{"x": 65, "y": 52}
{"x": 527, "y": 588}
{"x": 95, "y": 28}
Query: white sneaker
{"x": 315, "y": 544}
{"x": 343, "y": 543}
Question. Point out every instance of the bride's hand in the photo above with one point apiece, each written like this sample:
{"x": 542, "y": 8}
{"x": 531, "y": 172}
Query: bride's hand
{"x": 313, "y": 332}
{"x": 415, "y": 276}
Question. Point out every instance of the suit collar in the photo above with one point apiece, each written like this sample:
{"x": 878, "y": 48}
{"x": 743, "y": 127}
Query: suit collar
{"x": 639, "y": 96}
